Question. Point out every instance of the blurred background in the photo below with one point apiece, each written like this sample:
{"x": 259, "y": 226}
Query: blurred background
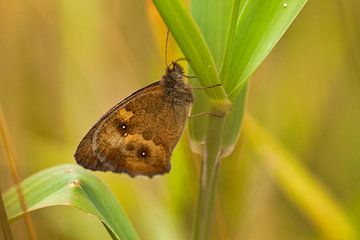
{"x": 65, "y": 63}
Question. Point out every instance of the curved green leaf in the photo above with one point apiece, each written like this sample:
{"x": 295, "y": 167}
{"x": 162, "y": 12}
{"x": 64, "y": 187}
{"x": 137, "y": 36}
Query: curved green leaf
{"x": 74, "y": 186}
{"x": 252, "y": 28}
{"x": 213, "y": 18}
{"x": 259, "y": 27}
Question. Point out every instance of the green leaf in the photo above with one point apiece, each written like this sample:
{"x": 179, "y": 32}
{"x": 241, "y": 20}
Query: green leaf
{"x": 259, "y": 27}
{"x": 194, "y": 47}
{"x": 234, "y": 122}
{"x": 214, "y": 30}
{"x": 213, "y": 18}
{"x": 71, "y": 185}
{"x": 252, "y": 28}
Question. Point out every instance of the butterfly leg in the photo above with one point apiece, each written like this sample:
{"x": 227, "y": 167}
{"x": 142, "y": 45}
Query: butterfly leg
{"x": 200, "y": 88}
{"x": 189, "y": 76}
{"x": 207, "y": 113}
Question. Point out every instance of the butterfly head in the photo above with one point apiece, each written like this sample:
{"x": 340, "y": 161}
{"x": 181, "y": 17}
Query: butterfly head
{"x": 176, "y": 90}
{"x": 175, "y": 71}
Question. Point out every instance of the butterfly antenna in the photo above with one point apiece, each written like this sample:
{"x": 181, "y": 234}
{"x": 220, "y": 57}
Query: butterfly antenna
{"x": 166, "y": 48}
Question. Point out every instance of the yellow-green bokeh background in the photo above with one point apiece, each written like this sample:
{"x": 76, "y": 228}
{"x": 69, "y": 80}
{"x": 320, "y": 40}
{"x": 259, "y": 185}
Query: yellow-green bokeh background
{"x": 64, "y": 63}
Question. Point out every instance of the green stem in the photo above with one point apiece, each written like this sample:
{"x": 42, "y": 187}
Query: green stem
{"x": 208, "y": 179}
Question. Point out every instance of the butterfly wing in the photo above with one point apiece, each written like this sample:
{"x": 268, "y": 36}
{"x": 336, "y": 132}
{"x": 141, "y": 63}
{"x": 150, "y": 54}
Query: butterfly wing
{"x": 136, "y": 136}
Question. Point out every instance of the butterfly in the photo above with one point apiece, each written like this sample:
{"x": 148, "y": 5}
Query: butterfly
{"x": 137, "y": 136}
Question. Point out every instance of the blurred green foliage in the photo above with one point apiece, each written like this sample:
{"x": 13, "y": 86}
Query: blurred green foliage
{"x": 64, "y": 63}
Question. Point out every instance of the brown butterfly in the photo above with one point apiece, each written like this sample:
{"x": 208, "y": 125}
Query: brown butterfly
{"x": 138, "y": 135}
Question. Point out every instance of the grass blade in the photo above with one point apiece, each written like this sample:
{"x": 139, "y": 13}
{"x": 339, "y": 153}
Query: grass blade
{"x": 194, "y": 47}
{"x": 73, "y": 186}
{"x": 259, "y": 27}
{"x": 213, "y": 18}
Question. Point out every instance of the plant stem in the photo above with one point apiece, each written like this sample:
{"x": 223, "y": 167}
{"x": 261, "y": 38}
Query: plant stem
{"x": 9, "y": 152}
{"x": 208, "y": 179}
{"x": 4, "y": 221}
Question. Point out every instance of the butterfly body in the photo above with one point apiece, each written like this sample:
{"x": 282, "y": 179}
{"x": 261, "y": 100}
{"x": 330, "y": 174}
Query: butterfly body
{"x": 138, "y": 135}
